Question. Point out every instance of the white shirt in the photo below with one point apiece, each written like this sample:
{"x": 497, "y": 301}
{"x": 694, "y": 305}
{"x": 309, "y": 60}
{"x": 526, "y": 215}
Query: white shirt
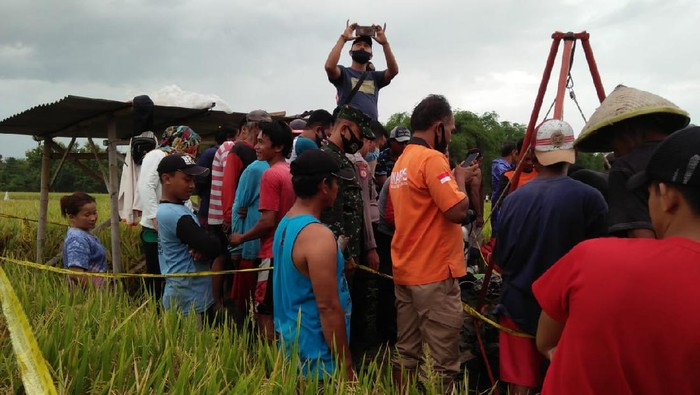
{"x": 148, "y": 187}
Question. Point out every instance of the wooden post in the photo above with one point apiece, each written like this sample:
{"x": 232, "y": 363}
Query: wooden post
{"x": 63, "y": 160}
{"x": 113, "y": 196}
{"x": 93, "y": 148}
{"x": 43, "y": 202}
{"x": 563, "y": 78}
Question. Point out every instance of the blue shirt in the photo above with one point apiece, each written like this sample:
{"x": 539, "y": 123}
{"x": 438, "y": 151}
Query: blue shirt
{"x": 183, "y": 293}
{"x": 296, "y": 315}
{"x": 385, "y": 164}
{"x": 248, "y": 196}
{"x": 304, "y": 144}
{"x": 84, "y": 250}
{"x": 498, "y": 167}
{"x": 540, "y": 222}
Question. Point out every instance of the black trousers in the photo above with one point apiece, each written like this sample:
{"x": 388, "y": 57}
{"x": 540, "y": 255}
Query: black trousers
{"x": 386, "y": 300}
{"x": 153, "y": 285}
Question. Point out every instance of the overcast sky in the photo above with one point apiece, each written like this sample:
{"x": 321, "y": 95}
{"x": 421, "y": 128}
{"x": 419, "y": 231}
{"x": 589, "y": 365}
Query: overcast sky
{"x": 482, "y": 55}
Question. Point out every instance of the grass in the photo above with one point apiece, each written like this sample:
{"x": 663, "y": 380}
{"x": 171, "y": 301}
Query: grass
{"x": 18, "y": 238}
{"x": 111, "y": 342}
{"x": 106, "y": 342}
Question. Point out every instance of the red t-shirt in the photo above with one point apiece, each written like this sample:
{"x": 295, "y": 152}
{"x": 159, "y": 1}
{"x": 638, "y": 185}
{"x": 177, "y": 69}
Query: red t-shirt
{"x": 276, "y": 194}
{"x": 631, "y": 314}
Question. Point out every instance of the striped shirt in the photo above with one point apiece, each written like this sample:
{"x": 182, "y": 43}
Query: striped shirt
{"x": 216, "y": 212}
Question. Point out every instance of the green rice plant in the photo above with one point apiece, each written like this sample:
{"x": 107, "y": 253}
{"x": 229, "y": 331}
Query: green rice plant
{"x": 105, "y": 342}
{"x": 18, "y": 237}
{"x": 114, "y": 342}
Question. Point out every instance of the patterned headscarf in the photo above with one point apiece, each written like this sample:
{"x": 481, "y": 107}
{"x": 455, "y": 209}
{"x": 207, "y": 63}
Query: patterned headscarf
{"x": 180, "y": 139}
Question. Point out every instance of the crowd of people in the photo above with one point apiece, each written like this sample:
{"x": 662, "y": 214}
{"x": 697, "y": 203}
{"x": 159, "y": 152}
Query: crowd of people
{"x": 312, "y": 199}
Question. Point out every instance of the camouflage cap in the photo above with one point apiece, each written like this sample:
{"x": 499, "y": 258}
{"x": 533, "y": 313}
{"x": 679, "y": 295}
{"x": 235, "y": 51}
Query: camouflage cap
{"x": 362, "y": 120}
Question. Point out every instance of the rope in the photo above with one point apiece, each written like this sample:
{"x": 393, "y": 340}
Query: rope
{"x": 570, "y": 84}
{"x": 10, "y": 216}
{"x": 467, "y": 309}
{"x": 40, "y": 266}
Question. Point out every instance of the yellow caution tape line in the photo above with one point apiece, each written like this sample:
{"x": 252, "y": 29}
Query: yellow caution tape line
{"x": 10, "y": 216}
{"x": 467, "y": 309}
{"x": 471, "y": 311}
{"x": 370, "y": 270}
{"x": 40, "y": 266}
{"x": 33, "y": 367}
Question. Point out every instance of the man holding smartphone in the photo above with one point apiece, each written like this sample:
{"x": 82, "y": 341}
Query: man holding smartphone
{"x": 357, "y": 78}
{"x": 430, "y": 204}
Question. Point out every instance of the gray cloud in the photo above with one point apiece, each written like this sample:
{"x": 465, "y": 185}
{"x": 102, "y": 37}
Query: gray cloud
{"x": 484, "y": 56}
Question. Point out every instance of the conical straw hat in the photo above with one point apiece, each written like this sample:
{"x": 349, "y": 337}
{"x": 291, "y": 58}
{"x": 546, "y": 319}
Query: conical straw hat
{"x": 625, "y": 103}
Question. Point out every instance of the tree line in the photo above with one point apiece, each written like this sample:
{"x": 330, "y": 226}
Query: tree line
{"x": 486, "y": 132}
{"x": 489, "y": 134}
{"x": 24, "y": 175}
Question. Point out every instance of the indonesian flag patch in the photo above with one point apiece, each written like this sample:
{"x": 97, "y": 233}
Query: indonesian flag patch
{"x": 444, "y": 177}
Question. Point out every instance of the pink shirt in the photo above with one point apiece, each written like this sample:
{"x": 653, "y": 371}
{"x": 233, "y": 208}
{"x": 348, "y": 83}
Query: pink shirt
{"x": 276, "y": 194}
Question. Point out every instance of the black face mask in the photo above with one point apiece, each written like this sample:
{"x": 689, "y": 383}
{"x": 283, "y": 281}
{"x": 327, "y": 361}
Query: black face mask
{"x": 360, "y": 56}
{"x": 319, "y": 137}
{"x": 352, "y": 145}
{"x": 441, "y": 146}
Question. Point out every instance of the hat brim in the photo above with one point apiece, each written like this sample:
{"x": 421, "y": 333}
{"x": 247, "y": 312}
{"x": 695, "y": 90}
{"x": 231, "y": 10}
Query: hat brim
{"x": 598, "y": 138}
{"x": 638, "y": 180}
{"x": 624, "y": 103}
{"x": 402, "y": 139}
{"x": 195, "y": 171}
{"x": 547, "y": 158}
{"x": 344, "y": 174}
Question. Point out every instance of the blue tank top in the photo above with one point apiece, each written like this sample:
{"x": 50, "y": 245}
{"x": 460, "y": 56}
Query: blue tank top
{"x": 297, "y": 320}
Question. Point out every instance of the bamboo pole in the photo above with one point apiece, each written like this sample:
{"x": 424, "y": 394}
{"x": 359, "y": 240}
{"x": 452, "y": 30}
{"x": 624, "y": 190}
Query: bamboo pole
{"x": 43, "y": 202}
{"x": 93, "y": 148}
{"x": 563, "y": 77}
{"x": 63, "y": 160}
{"x": 113, "y": 196}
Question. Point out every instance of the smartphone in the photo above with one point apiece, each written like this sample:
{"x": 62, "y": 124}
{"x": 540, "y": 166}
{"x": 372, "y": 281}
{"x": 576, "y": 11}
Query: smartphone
{"x": 365, "y": 31}
{"x": 471, "y": 157}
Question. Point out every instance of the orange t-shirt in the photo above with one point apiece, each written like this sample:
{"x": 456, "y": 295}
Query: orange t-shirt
{"x": 524, "y": 177}
{"x": 426, "y": 247}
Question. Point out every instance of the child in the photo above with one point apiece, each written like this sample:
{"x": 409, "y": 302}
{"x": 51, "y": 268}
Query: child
{"x": 82, "y": 251}
{"x": 183, "y": 246}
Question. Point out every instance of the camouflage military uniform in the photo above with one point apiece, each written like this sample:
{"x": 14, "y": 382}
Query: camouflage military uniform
{"x": 345, "y": 217}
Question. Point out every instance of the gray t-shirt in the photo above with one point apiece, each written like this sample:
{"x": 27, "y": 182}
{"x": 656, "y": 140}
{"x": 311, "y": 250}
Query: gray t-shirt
{"x": 384, "y": 227}
{"x": 367, "y": 96}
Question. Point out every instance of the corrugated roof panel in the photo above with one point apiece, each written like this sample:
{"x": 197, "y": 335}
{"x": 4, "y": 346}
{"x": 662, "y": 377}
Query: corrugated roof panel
{"x": 75, "y": 116}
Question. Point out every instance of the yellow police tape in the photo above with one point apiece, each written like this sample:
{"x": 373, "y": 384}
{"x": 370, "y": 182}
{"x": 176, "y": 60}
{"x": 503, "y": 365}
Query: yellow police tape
{"x": 10, "y": 216}
{"x": 128, "y": 275}
{"x": 33, "y": 368}
{"x": 467, "y": 309}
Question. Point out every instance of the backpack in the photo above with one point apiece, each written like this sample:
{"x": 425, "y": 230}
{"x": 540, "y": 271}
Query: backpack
{"x": 140, "y": 146}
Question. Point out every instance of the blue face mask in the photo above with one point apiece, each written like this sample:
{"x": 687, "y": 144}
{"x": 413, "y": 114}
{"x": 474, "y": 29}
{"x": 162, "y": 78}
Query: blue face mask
{"x": 371, "y": 156}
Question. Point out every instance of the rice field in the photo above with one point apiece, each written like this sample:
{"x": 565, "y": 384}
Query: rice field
{"x": 118, "y": 342}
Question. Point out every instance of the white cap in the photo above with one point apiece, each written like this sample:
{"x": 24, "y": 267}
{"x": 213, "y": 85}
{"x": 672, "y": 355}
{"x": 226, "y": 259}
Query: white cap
{"x": 555, "y": 143}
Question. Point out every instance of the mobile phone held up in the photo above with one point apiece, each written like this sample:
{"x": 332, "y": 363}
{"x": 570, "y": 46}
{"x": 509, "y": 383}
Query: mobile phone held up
{"x": 365, "y": 31}
{"x": 471, "y": 157}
